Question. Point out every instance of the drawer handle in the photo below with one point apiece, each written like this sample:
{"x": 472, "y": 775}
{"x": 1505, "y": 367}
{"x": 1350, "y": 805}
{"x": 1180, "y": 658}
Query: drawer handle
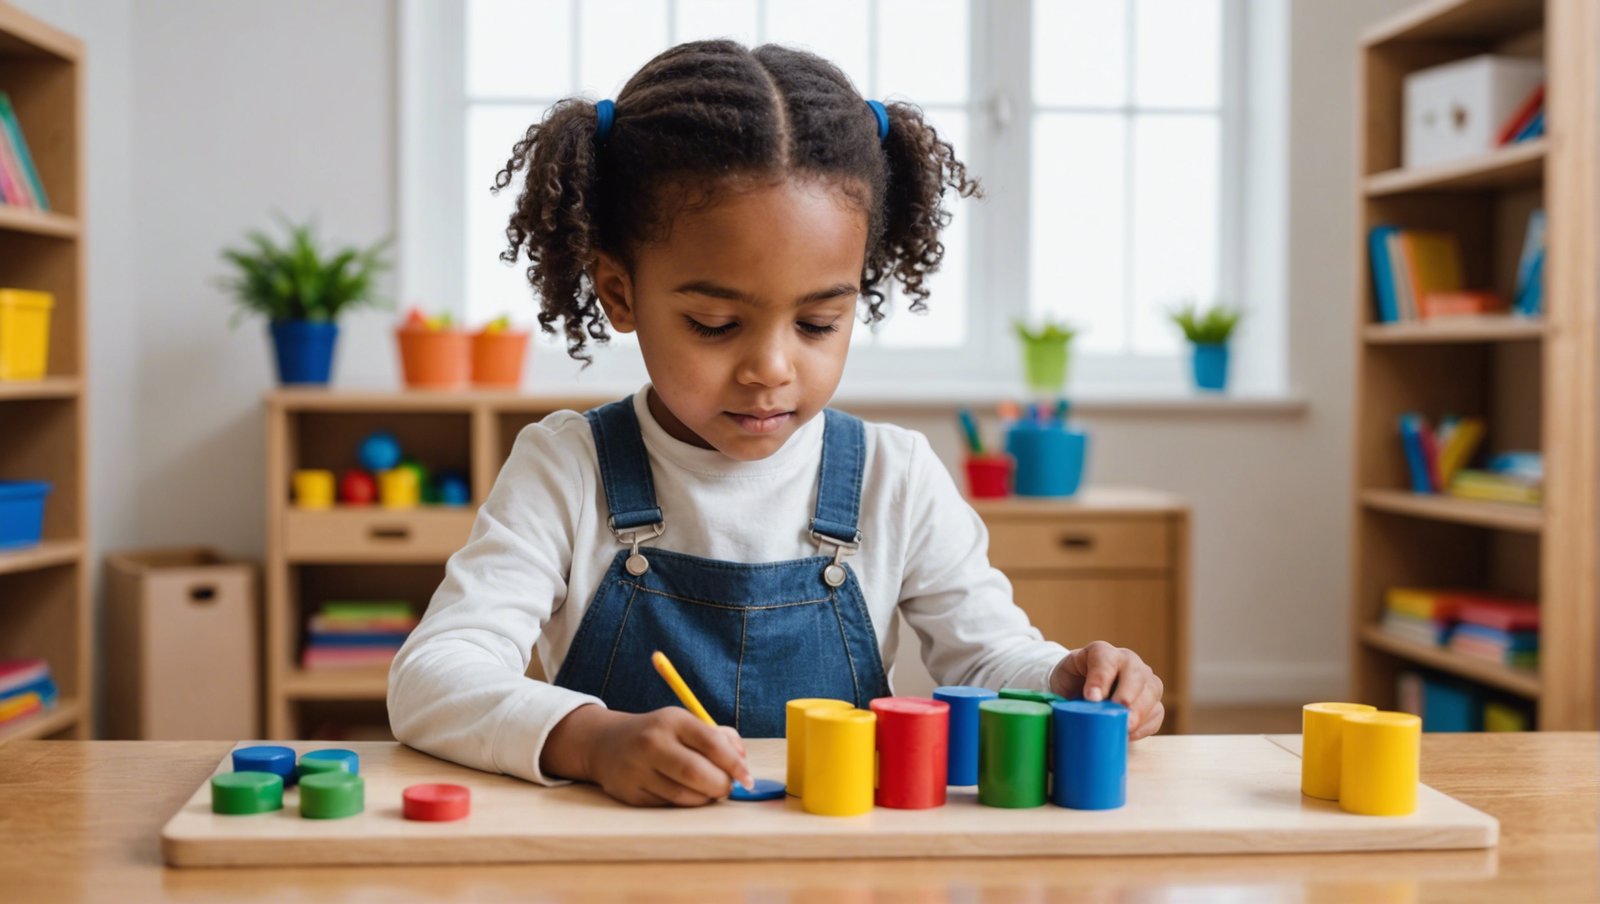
{"x": 202, "y": 594}
{"x": 1078, "y": 542}
{"x": 391, "y": 533}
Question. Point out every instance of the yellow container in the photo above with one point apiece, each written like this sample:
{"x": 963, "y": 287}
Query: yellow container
{"x": 841, "y": 765}
{"x": 1321, "y": 740}
{"x": 313, "y": 489}
{"x": 398, "y": 488}
{"x": 24, "y": 333}
{"x": 794, "y": 728}
{"x": 1382, "y": 756}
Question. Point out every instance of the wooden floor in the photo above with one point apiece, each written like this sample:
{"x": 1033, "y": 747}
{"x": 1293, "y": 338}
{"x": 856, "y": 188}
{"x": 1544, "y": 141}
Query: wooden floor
{"x": 1275, "y": 719}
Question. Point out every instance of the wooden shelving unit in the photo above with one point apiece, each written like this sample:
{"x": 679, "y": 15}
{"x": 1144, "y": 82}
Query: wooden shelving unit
{"x": 44, "y": 590}
{"x": 1536, "y": 381}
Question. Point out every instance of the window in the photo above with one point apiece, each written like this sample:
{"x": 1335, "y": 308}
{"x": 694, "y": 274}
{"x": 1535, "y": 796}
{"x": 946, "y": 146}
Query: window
{"x": 1101, "y": 130}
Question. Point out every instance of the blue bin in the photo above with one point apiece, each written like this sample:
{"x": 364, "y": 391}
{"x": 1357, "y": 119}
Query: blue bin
{"x": 1049, "y": 458}
{"x": 22, "y": 512}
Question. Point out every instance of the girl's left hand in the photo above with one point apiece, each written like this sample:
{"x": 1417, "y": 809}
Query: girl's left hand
{"x": 1092, "y": 671}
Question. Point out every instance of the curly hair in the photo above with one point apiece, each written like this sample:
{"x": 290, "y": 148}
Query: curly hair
{"x": 706, "y": 117}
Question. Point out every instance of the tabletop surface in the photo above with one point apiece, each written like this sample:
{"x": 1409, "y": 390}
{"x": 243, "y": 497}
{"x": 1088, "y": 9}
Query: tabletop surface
{"x": 81, "y": 820}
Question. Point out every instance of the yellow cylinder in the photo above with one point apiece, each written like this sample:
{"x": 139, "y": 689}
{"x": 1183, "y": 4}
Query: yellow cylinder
{"x": 1382, "y": 754}
{"x": 313, "y": 489}
{"x": 398, "y": 488}
{"x": 840, "y": 752}
{"x": 1321, "y": 734}
{"x": 794, "y": 728}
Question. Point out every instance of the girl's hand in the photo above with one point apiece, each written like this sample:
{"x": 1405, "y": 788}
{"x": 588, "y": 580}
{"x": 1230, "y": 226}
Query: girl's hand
{"x": 1093, "y": 671}
{"x": 662, "y": 758}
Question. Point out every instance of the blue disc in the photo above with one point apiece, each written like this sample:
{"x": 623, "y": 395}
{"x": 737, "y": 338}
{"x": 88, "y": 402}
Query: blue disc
{"x": 276, "y": 760}
{"x": 766, "y": 789}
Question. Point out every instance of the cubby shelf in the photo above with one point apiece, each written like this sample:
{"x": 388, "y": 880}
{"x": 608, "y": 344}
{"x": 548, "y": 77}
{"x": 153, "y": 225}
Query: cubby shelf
{"x": 1532, "y": 380}
{"x": 68, "y": 713}
{"x": 46, "y": 555}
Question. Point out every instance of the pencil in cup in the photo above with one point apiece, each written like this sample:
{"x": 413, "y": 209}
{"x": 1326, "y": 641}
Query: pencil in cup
{"x": 680, "y": 687}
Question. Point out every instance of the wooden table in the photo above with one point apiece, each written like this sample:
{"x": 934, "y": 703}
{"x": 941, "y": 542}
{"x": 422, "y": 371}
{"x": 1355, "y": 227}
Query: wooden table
{"x": 80, "y": 820}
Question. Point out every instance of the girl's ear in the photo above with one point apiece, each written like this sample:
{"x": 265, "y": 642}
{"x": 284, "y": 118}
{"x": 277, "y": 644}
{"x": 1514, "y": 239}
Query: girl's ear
{"x": 614, "y": 287}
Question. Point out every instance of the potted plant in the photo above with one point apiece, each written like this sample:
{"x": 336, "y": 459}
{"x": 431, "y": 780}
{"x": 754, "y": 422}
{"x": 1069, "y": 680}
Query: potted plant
{"x": 1209, "y": 331}
{"x": 302, "y": 291}
{"x": 1045, "y": 355}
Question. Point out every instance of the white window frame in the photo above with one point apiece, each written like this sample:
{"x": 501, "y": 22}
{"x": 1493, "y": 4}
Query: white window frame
{"x": 1251, "y": 212}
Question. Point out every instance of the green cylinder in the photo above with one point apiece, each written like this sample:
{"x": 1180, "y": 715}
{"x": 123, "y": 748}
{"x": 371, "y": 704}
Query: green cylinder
{"x": 1012, "y": 763}
{"x": 242, "y": 793}
{"x": 1019, "y": 693}
{"x": 331, "y": 795}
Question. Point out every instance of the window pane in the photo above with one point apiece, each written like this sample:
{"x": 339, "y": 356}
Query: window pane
{"x": 1076, "y": 226}
{"x": 699, "y": 19}
{"x": 519, "y": 48}
{"x": 1178, "y": 60}
{"x": 1080, "y": 52}
{"x": 923, "y": 50}
{"x": 493, "y": 287}
{"x": 944, "y": 323}
{"x": 833, "y": 29}
{"x": 615, "y": 38}
{"x": 1176, "y": 176}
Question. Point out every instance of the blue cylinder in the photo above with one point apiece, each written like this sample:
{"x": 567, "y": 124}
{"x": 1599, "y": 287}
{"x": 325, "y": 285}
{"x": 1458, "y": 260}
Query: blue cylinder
{"x": 276, "y": 760}
{"x": 1090, "y": 761}
{"x": 1050, "y": 458}
{"x": 1211, "y": 365}
{"x": 963, "y": 749}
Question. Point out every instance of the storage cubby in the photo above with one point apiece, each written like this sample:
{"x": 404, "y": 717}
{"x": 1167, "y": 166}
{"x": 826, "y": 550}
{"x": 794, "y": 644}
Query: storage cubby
{"x": 440, "y": 440}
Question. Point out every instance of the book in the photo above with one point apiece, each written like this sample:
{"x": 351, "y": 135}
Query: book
{"x": 1499, "y": 716}
{"x": 1526, "y": 298}
{"x": 1402, "y": 281}
{"x": 15, "y": 673}
{"x": 338, "y": 609}
{"x": 1488, "y": 486}
{"x": 1458, "y": 448}
{"x": 10, "y": 192}
{"x": 30, "y": 173}
{"x": 1422, "y": 631}
{"x": 11, "y": 164}
{"x": 1501, "y": 615}
{"x": 19, "y": 706}
{"x": 1461, "y": 303}
{"x": 1533, "y": 129}
{"x": 1416, "y": 457}
{"x": 1423, "y": 603}
{"x": 1383, "y": 283}
{"x": 1519, "y": 119}
{"x": 1432, "y": 264}
{"x": 1408, "y": 693}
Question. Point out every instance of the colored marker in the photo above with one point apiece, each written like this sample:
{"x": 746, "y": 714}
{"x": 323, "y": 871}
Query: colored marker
{"x": 691, "y": 702}
{"x": 970, "y": 426}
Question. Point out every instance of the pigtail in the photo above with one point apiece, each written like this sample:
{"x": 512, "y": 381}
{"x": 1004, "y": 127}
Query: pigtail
{"x": 555, "y": 221}
{"x": 921, "y": 166}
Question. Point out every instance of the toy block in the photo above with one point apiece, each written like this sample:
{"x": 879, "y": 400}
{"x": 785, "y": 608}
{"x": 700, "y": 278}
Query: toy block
{"x": 1090, "y": 754}
{"x": 962, "y": 767}
{"x": 436, "y": 803}
{"x": 794, "y": 723}
{"x": 277, "y": 760}
{"x": 332, "y": 795}
{"x": 1378, "y": 770}
{"x": 840, "y": 766}
{"x": 913, "y": 740}
{"x": 313, "y": 489}
{"x": 1321, "y": 738}
{"x": 243, "y": 793}
{"x": 1012, "y": 739}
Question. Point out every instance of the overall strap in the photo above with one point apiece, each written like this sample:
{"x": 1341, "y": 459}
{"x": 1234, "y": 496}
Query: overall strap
{"x": 624, "y": 465}
{"x": 844, "y": 453}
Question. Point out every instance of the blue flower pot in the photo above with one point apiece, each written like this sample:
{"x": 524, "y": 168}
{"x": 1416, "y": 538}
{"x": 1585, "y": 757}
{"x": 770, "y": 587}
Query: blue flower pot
{"x": 1211, "y": 365}
{"x": 304, "y": 349}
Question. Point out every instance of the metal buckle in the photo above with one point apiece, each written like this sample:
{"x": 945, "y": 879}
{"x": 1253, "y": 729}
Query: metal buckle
{"x": 834, "y": 573}
{"x": 636, "y": 563}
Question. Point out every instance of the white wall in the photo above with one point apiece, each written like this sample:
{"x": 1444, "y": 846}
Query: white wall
{"x": 206, "y": 116}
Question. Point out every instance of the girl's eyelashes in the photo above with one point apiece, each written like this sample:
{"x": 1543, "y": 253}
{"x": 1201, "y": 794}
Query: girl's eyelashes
{"x": 814, "y": 330}
{"x": 819, "y": 329}
{"x": 710, "y": 332}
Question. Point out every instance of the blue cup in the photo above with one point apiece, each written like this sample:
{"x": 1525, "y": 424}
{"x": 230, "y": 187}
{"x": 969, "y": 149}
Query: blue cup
{"x": 1049, "y": 457}
{"x": 1211, "y": 366}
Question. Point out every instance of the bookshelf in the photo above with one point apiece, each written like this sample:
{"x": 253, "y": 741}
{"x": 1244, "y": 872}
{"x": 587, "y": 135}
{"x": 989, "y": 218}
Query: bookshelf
{"x": 44, "y": 590}
{"x": 1534, "y": 381}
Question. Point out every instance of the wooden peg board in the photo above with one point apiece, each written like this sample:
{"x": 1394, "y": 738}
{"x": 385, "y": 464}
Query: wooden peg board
{"x": 1187, "y": 794}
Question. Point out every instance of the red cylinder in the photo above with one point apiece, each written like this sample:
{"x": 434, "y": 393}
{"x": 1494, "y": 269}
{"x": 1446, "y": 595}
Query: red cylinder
{"x": 913, "y": 744}
{"x": 436, "y": 803}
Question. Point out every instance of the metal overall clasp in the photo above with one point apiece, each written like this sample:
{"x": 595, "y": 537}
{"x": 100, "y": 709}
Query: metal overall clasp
{"x": 834, "y": 573}
{"x": 636, "y": 563}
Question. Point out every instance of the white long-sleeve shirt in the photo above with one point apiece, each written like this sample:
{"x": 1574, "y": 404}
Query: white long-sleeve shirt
{"x": 540, "y": 547}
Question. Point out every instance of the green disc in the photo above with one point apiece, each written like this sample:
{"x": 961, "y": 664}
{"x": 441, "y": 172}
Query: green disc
{"x": 328, "y": 761}
{"x": 331, "y": 795}
{"x": 1018, "y": 693}
{"x": 242, "y": 793}
{"x": 1012, "y": 763}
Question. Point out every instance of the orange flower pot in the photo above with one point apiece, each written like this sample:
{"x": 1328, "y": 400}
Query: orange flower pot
{"x": 434, "y": 359}
{"x": 497, "y": 358}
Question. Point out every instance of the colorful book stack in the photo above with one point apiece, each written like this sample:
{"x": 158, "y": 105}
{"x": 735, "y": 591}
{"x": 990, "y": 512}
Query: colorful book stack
{"x": 1504, "y": 631}
{"x": 357, "y": 634}
{"x": 25, "y": 689}
{"x": 1417, "y": 275}
{"x": 1450, "y": 704}
{"x": 1510, "y": 477}
{"x": 1420, "y": 615}
{"x": 19, "y": 179}
{"x": 1435, "y": 457}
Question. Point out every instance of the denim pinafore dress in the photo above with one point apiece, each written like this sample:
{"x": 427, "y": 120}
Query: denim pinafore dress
{"x": 747, "y": 638}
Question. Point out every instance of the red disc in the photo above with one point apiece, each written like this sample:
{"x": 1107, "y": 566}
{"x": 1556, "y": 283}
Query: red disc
{"x": 437, "y": 803}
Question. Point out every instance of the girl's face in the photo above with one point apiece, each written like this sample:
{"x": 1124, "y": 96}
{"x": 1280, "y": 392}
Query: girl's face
{"x": 744, "y": 313}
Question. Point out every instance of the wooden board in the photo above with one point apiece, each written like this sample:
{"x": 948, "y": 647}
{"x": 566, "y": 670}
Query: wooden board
{"x": 1187, "y": 794}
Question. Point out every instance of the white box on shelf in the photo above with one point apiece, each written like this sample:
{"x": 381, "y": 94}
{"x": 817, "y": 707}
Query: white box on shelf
{"x": 1457, "y": 109}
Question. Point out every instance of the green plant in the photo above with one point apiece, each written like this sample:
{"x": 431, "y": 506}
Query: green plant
{"x": 297, "y": 281}
{"x": 1050, "y": 331}
{"x": 1209, "y": 327}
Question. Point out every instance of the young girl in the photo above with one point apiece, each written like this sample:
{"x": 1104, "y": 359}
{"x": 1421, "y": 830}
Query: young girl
{"x": 730, "y": 208}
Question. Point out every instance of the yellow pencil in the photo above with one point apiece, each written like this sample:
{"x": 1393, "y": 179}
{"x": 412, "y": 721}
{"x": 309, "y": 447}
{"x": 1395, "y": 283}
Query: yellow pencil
{"x": 675, "y": 681}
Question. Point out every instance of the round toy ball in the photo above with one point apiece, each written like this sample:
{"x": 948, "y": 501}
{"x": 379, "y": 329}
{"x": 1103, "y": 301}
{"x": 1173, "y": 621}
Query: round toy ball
{"x": 453, "y": 489}
{"x": 357, "y": 487}
{"x": 380, "y": 451}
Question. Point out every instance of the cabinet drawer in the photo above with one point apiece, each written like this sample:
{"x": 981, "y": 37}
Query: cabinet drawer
{"x": 1086, "y": 543}
{"x": 375, "y": 534}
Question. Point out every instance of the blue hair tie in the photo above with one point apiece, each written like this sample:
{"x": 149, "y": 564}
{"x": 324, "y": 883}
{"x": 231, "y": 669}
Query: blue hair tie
{"x": 883, "y": 118}
{"x": 606, "y": 111}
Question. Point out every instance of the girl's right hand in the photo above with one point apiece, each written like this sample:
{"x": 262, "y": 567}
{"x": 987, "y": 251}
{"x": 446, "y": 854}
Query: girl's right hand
{"x": 662, "y": 758}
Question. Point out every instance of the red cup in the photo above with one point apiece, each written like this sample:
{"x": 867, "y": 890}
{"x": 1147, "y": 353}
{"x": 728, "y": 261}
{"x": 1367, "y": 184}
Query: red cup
{"x": 989, "y": 476}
